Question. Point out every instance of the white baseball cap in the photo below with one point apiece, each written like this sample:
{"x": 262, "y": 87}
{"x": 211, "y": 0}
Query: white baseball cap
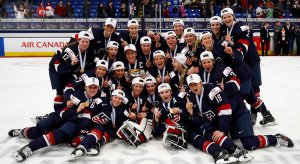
{"x": 102, "y": 63}
{"x": 91, "y": 81}
{"x": 149, "y": 79}
{"x": 84, "y": 34}
{"x": 163, "y": 87}
{"x": 118, "y": 65}
{"x": 226, "y": 11}
{"x": 111, "y": 21}
{"x": 132, "y": 22}
{"x": 216, "y": 19}
{"x": 178, "y": 21}
{"x": 121, "y": 94}
{"x": 158, "y": 52}
{"x": 189, "y": 30}
{"x": 130, "y": 47}
{"x": 137, "y": 80}
{"x": 204, "y": 33}
{"x": 193, "y": 78}
{"x": 206, "y": 55}
{"x": 145, "y": 40}
{"x": 112, "y": 44}
{"x": 181, "y": 58}
{"x": 170, "y": 33}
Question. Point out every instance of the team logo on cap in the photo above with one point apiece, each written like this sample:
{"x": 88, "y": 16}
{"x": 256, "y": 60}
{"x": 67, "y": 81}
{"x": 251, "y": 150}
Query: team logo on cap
{"x": 224, "y": 11}
{"x": 121, "y": 93}
{"x": 205, "y": 55}
{"x": 163, "y": 87}
{"x": 191, "y": 78}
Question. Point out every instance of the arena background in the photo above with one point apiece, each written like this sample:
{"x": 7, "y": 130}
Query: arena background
{"x": 42, "y": 37}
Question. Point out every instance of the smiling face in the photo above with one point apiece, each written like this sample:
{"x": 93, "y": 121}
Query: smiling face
{"x": 137, "y": 89}
{"x": 133, "y": 31}
{"x": 119, "y": 73}
{"x": 171, "y": 41}
{"x": 91, "y": 90}
{"x": 108, "y": 29}
{"x": 165, "y": 95}
{"x": 112, "y": 52}
{"x": 190, "y": 39}
{"x": 146, "y": 48}
{"x": 150, "y": 88}
{"x": 215, "y": 27}
{"x": 83, "y": 44}
{"x": 116, "y": 101}
{"x": 100, "y": 71}
{"x": 207, "y": 64}
{"x": 207, "y": 41}
{"x": 131, "y": 56}
{"x": 196, "y": 88}
{"x": 159, "y": 61}
{"x": 178, "y": 29}
{"x": 228, "y": 19}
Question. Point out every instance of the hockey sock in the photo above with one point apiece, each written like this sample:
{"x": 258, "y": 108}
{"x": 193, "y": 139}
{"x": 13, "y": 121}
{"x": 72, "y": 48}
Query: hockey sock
{"x": 32, "y": 132}
{"x": 51, "y": 138}
{"x": 227, "y": 144}
{"x": 263, "y": 109}
{"x": 91, "y": 138}
{"x": 272, "y": 140}
{"x": 211, "y": 147}
{"x": 105, "y": 139}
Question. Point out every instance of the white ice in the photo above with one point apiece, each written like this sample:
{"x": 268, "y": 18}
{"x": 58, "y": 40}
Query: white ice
{"x": 25, "y": 91}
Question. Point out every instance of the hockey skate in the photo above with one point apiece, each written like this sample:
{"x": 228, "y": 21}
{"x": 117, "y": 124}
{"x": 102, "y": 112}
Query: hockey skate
{"x": 131, "y": 136}
{"x": 176, "y": 141}
{"x": 22, "y": 154}
{"x": 15, "y": 132}
{"x": 94, "y": 150}
{"x": 240, "y": 155}
{"x": 222, "y": 158}
{"x": 79, "y": 151}
{"x": 268, "y": 120}
{"x": 36, "y": 119}
{"x": 283, "y": 140}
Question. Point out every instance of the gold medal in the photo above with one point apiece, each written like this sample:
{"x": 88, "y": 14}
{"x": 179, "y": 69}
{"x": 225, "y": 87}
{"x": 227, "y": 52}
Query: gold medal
{"x": 82, "y": 70}
{"x": 114, "y": 125}
{"x": 87, "y": 104}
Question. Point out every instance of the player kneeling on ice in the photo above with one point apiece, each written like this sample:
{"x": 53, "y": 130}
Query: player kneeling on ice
{"x": 107, "y": 117}
{"x": 137, "y": 129}
{"x": 170, "y": 118}
{"x": 228, "y": 116}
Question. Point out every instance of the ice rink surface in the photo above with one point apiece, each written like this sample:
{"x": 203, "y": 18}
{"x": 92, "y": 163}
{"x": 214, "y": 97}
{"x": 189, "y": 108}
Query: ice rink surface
{"x": 25, "y": 91}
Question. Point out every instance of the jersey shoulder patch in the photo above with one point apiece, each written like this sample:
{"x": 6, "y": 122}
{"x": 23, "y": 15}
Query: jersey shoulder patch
{"x": 98, "y": 101}
{"x": 70, "y": 53}
{"x": 172, "y": 74}
{"x": 74, "y": 99}
{"x": 181, "y": 94}
{"x": 227, "y": 71}
{"x": 214, "y": 92}
{"x": 244, "y": 28}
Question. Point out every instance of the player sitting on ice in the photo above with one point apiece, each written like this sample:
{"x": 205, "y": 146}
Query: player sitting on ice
{"x": 137, "y": 129}
{"x": 107, "y": 117}
{"x": 169, "y": 118}
{"x": 75, "y": 120}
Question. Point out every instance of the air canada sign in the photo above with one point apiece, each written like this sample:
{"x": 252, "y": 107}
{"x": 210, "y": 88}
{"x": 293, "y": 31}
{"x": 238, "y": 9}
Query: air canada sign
{"x": 33, "y": 46}
{"x": 44, "y": 44}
